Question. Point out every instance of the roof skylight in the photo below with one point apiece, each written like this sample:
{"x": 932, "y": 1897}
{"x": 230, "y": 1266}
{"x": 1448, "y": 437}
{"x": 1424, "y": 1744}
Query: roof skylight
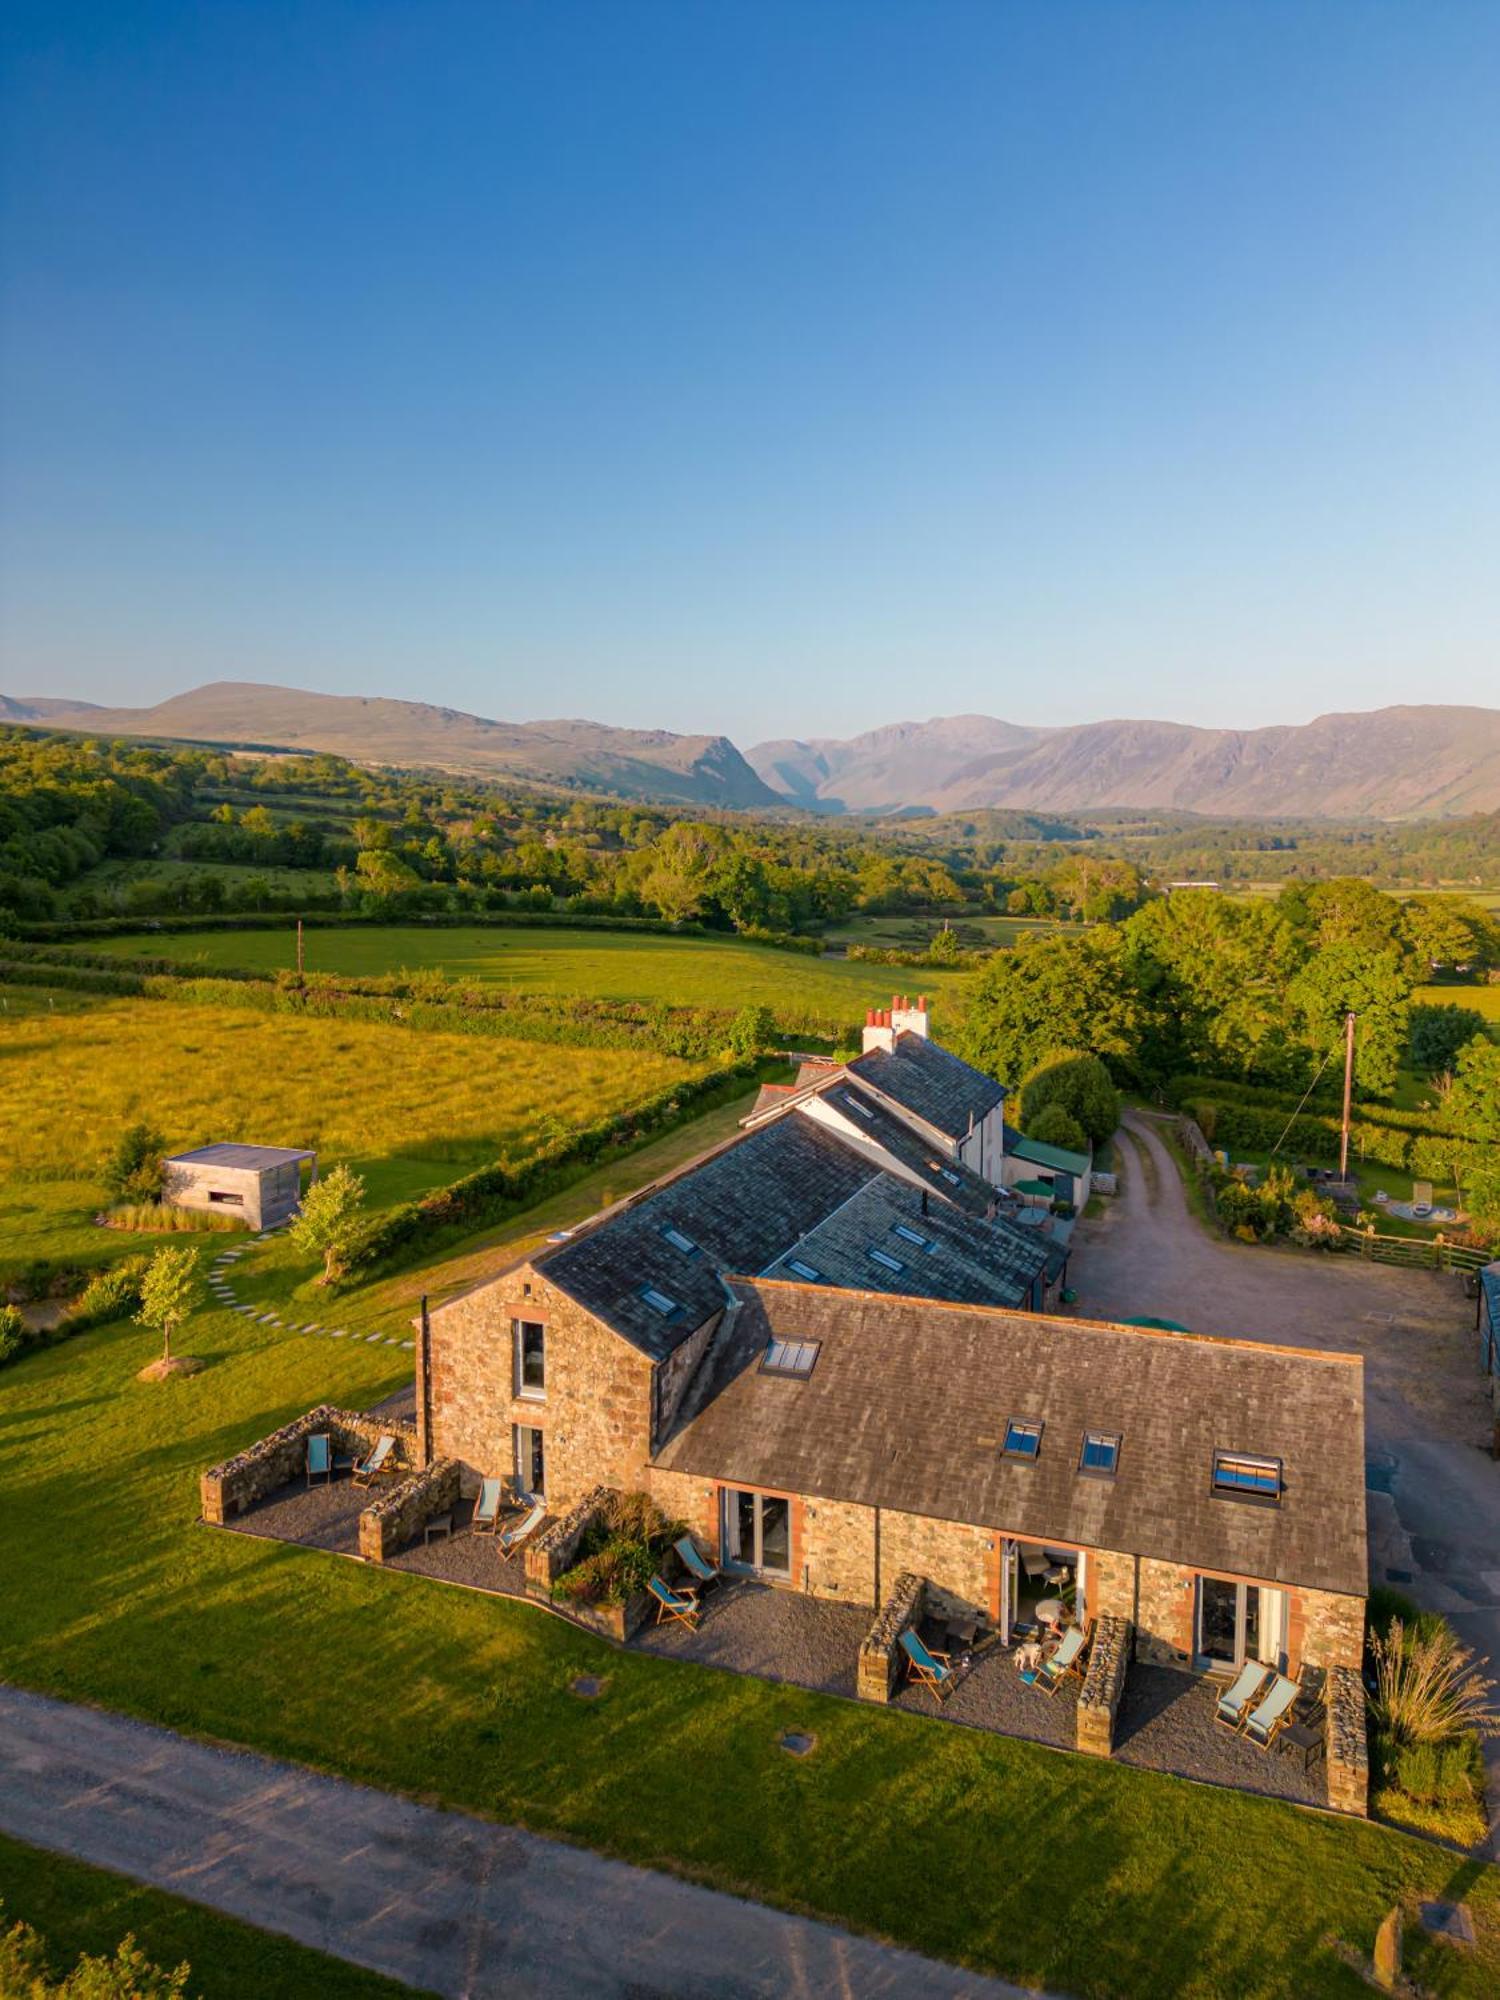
{"x": 1100, "y": 1456}
{"x": 680, "y": 1242}
{"x": 1023, "y": 1439}
{"x": 658, "y": 1301}
{"x": 1240, "y": 1476}
{"x": 884, "y": 1257}
{"x": 804, "y": 1270}
{"x": 790, "y": 1357}
{"x": 910, "y": 1235}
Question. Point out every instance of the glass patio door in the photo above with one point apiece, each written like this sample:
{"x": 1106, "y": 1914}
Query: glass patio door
{"x": 531, "y": 1460}
{"x": 1238, "y": 1622}
{"x": 758, "y": 1531}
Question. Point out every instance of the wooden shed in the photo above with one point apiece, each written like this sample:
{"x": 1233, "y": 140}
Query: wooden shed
{"x": 261, "y": 1185}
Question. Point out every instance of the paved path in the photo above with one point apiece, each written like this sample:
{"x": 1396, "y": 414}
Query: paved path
{"x": 456, "y": 1905}
{"x": 1434, "y": 1489}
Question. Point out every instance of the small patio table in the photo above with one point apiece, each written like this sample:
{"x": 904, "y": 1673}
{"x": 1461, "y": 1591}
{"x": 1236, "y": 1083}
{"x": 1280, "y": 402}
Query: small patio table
{"x": 1050, "y": 1611}
{"x": 1306, "y": 1737}
{"x": 440, "y": 1524}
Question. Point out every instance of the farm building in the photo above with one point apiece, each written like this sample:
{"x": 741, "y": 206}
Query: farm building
{"x": 1038, "y": 1172}
{"x": 261, "y": 1185}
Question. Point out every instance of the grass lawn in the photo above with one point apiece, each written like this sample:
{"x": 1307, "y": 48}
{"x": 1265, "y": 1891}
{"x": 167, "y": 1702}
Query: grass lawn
{"x": 1482, "y": 999}
{"x": 465, "y": 1699}
{"x": 917, "y": 933}
{"x": 614, "y": 965}
{"x": 409, "y": 1110}
{"x": 77, "y": 1909}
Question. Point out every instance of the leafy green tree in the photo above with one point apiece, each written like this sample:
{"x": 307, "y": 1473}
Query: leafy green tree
{"x": 1377, "y": 986}
{"x": 133, "y": 1171}
{"x": 1078, "y": 1085}
{"x": 170, "y": 1292}
{"x": 1077, "y": 992}
{"x": 1222, "y": 972}
{"x": 1474, "y": 1107}
{"x": 1437, "y": 1033}
{"x": 329, "y": 1219}
{"x": 752, "y": 1031}
{"x": 1052, "y": 1126}
{"x": 1444, "y": 932}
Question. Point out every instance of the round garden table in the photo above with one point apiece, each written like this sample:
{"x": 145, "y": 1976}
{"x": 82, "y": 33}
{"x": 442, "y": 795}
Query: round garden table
{"x": 1050, "y": 1611}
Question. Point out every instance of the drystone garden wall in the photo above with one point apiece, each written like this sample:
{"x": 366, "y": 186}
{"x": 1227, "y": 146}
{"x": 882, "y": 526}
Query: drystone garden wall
{"x": 879, "y": 1652}
{"x": 397, "y": 1517}
{"x": 1104, "y": 1685}
{"x": 276, "y": 1460}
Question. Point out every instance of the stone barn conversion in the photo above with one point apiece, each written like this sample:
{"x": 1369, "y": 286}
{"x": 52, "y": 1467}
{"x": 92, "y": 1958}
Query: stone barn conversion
{"x": 259, "y": 1185}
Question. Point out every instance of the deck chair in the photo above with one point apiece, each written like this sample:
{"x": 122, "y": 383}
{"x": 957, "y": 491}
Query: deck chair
{"x": 1066, "y": 1662}
{"x": 697, "y": 1565}
{"x": 681, "y": 1604}
{"x": 368, "y": 1469}
{"x": 486, "y": 1519}
{"x": 510, "y": 1539}
{"x": 1236, "y": 1702}
{"x": 1271, "y": 1714}
{"x": 931, "y": 1670}
{"x": 320, "y": 1457}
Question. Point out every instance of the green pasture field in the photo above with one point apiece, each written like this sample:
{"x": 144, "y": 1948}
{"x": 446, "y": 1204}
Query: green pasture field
{"x": 77, "y": 1910}
{"x": 409, "y": 1111}
{"x": 1453, "y": 993}
{"x": 465, "y": 1699}
{"x": 917, "y": 933}
{"x": 707, "y": 972}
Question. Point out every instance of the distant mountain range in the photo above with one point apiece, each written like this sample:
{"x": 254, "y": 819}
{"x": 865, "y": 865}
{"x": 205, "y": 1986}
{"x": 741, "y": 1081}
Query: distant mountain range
{"x": 587, "y": 756}
{"x": 1389, "y": 763}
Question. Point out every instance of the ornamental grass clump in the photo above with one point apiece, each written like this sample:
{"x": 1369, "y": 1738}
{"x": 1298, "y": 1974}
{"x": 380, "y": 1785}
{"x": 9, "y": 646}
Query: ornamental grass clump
{"x": 1428, "y": 1687}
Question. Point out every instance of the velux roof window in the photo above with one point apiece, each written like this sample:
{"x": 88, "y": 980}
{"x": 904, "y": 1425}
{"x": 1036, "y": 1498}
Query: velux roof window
{"x": 1023, "y": 1439}
{"x": 858, "y": 1104}
{"x": 1238, "y": 1476}
{"x": 885, "y": 1259}
{"x": 680, "y": 1242}
{"x": 802, "y": 1270}
{"x": 910, "y": 1235}
{"x": 659, "y": 1302}
{"x": 790, "y": 1357}
{"x": 1100, "y": 1456}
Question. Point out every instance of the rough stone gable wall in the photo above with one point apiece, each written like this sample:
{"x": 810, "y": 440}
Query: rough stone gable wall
{"x": 675, "y": 1374}
{"x": 596, "y": 1416}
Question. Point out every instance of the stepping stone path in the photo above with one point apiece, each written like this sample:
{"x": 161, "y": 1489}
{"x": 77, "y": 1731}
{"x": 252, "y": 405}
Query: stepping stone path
{"x": 223, "y": 1290}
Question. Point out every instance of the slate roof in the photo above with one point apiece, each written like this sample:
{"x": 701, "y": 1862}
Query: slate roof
{"x": 963, "y": 1258}
{"x": 228, "y": 1154}
{"x": 741, "y": 1206}
{"x": 907, "y": 1404}
{"x": 948, "y": 1177}
{"x": 931, "y": 1082}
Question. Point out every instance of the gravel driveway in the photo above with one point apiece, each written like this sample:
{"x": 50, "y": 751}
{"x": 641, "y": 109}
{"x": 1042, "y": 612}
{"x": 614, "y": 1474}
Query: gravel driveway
{"x": 1434, "y": 1489}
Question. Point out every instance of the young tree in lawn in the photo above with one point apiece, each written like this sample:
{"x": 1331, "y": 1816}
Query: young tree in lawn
{"x": 170, "y": 1291}
{"x": 331, "y": 1213}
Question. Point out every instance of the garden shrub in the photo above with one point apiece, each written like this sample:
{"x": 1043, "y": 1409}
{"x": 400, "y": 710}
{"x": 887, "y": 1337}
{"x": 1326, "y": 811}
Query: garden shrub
{"x": 15, "y": 1335}
{"x": 133, "y": 1173}
{"x": 620, "y": 1552}
{"x": 159, "y": 1219}
{"x": 128, "y": 1975}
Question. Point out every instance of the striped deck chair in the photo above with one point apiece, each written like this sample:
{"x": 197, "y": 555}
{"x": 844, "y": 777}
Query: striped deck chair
{"x": 1272, "y": 1713}
{"x": 509, "y": 1540}
{"x": 370, "y": 1468}
{"x": 929, "y": 1668}
{"x": 1066, "y": 1662}
{"x": 1235, "y": 1702}
{"x": 680, "y": 1604}
{"x": 486, "y": 1519}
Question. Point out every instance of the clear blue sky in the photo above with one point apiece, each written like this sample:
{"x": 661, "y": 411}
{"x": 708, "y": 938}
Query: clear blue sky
{"x": 781, "y": 369}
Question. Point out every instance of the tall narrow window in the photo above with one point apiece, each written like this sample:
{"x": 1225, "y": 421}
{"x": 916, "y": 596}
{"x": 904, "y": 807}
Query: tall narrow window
{"x": 531, "y": 1359}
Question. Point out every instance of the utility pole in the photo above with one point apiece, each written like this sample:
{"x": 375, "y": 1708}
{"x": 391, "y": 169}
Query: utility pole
{"x": 1348, "y": 1094}
{"x": 299, "y": 947}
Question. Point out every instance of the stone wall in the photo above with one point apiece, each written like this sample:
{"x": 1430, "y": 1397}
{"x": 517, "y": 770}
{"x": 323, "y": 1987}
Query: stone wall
{"x": 1325, "y": 1630}
{"x": 837, "y": 1551}
{"x": 552, "y": 1551}
{"x": 1348, "y": 1758}
{"x": 397, "y": 1517}
{"x": 1104, "y": 1684}
{"x": 595, "y": 1416}
{"x": 880, "y": 1649}
{"x": 1166, "y": 1599}
{"x": 958, "y": 1561}
{"x": 675, "y": 1373}
{"x": 276, "y": 1460}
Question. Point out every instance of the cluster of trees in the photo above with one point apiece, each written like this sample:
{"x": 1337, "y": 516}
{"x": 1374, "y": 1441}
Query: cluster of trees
{"x": 253, "y": 837}
{"x": 1256, "y": 992}
{"x": 66, "y": 806}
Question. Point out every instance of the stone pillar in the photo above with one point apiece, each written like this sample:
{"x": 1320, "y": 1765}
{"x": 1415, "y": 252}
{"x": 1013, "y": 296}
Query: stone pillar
{"x": 880, "y": 1650}
{"x": 1348, "y": 1755}
{"x": 1104, "y": 1685}
{"x": 423, "y": 1357}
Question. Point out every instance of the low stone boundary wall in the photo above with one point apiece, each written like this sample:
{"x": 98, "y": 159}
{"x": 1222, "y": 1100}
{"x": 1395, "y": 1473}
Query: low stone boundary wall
{"x": 280, "y": 1458}
{"x": 1104, "y": 1685}
{"x": 396, "y": 1517}
{"x": 553, "y": 1550}
{"x": 879, "y": 1652}
{"x": 1348, "y": 1758}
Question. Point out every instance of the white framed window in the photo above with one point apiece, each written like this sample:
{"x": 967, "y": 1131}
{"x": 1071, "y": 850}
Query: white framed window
{"x": 530, "y": 1340}
{"x": 790, "y": 1357}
